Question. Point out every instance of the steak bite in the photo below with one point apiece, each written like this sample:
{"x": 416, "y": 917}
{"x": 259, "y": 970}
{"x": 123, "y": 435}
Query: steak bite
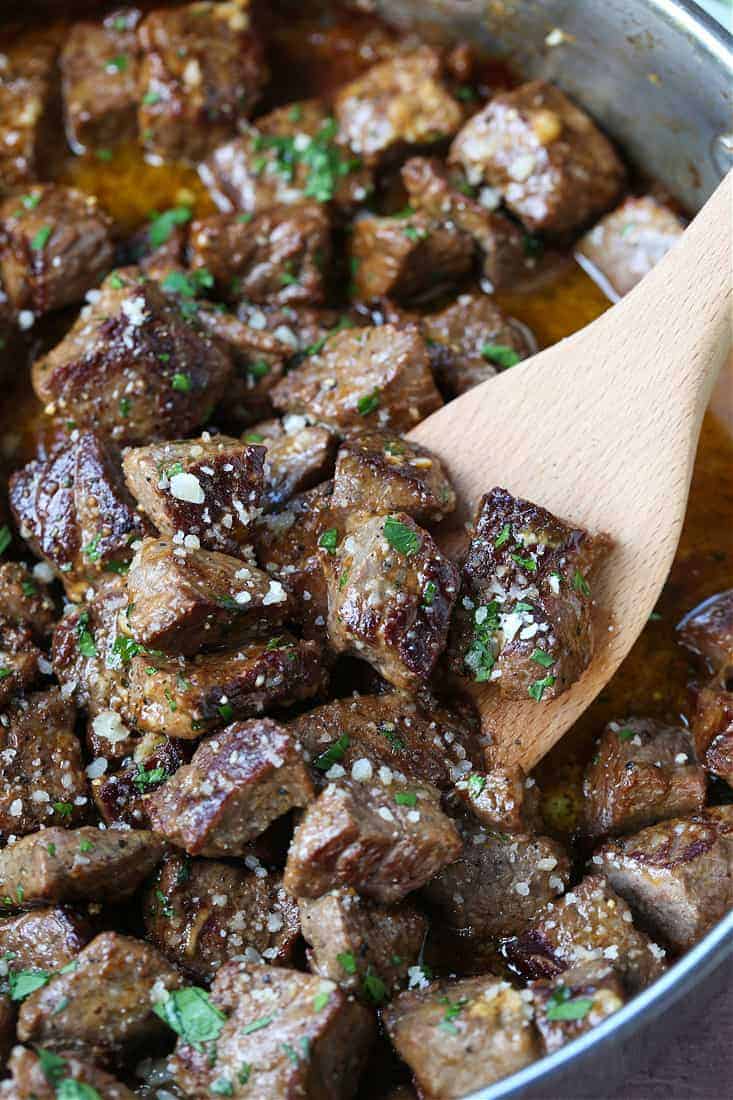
{"x": 210, "y": 488}
{"x": 19, "y": 659}
{"x": 524, "y": 618}
{"x": 642, "y": 772}
{"x": 366, "y": 948}
{"x": 27, "y": 72}
{"x": 625, "y": 245}
{"x": 677, "y": 875}
{"x": 74, "y": 511}
{"x": 202, "y": 72}
{"x": 133, "y": 366}
{"x": 284, "y": 1033}
{"x": 56, "y": 246}
{"x": 554, "y": 168}
{"x": 575, "y": 1002}
{"x": 24, "y": 599}
{"x": 498, "y": 798}
{"x": 458, "y": 1036}
{"x": 361, "y": 378}
{"x": 712, "y": 728}
{"x": 33, "y": 1079}
{"x": 42, "y": 939}
{"x": 120, "y": 797}
{"x": 707, "y": 631}
{"x": 295, "y": 460}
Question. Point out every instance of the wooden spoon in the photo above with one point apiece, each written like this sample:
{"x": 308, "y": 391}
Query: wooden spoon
{"x": 602, "y": 429}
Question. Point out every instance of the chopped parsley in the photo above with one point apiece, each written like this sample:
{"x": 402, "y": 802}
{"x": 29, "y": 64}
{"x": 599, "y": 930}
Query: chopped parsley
{"x": 429, "y": 592}
{"x": 475, "y": 784}
{"x": 452, "y": 1010}
{"x": 40, "y": 240}
{"x": 321, "y": 1000}
{"x": 105, "y": 155}
{"x": 124, "y": 406}
{"x": 226, "y": 711}
{"x": 188, "y": 284}
{"x": 259, "y": 369}
{"x": 480, "y": 656}
{"x": 388, "y": 730}
{"x": 24, "y": 982}
{"x": 401, "y": 537}
{"x": 580, "y": 584}
{"x": 117, "y": 64}
{"x": 91, "y": 550}
{"x": 323, "y": 160}
{"x": 181, "y": 383}
{"x": 5, "y": 672}
{"x": 563, "y": 1006}
{"x": 344, "y": 579}
{"x": 541, "y": 658}
{"x": 5, "y": 538}
{"x": 84, "y": 636}
{"x": 332, "y": 754}
{"x": 525, "y": 563}
{"x": 626, "y": 734}
{"x": 257, "y": 1025}
{"x": 172, "y": 704}
{"x": 406, "y": 798}
{"x": 347, "y": 962}
{"x": 222, "y": 1087}
{"x": 31, "y": 201}
{"x": 85, "y": 845}
{"x": 145, "y": 779}
{"x": 368, "y": 403}
{"x": 63, "y": 809}
{"x": 374, "y": 987}
{"x": 415, "y": 234}
{"x": 329, "y": 540}
{"x": 501, "y": 355}
{"x": 162, "y": 225}
{"x": 190, "y": 1013}
{"x": 151, "y": 98}
{"x": 537, "y": 689}
{"x": 115, "y": 281}
{"x": 503, "y": 536}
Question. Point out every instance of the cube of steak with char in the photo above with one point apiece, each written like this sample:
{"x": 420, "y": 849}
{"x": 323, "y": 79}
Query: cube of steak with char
{"x": 42, "y": 939}
{"x": 201, "y": 913}
{"x": 57, "y": 245}
{"x": 18, "y": 659}
{"x": 363, "y": 377}
{"x": 202, "y": 71}
{"x": 677, "y": 875}
{"x": 398, "y": 104}
{"x": 459, "y": 1036}
{"x": 707, "y": 631}
{"x": 390, "y": 596}
{"x": 27, "y": 72}
{"x": 120, "y": 796}
{"x": 99, "y": 70}
{"x": 366, "y": 948}
{"x": 33, "y": 1078}
{"x": 297, "y": 459}
{"x": 575, "y": 1002}
{"x": 238, "y": 782}
{"x": 553, "y": 166}
{"x": 625, "y": 245}
{"x": 498, "y": 798}
{"x": 285, "y": 1034}
{"x": 712, "y": 727}
{"x": 24, "y": 598}
{"x": 74, "y": 511}
{"x": 524, "y": 618}
{"x": 102, "y": 1007}
{"x": 642, "y": 772}
{"x": 42, "y": 780}
{"x": 132, "y": 366}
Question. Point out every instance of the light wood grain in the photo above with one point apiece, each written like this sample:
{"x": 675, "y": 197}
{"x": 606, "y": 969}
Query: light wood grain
{"x": 602, "y": 429}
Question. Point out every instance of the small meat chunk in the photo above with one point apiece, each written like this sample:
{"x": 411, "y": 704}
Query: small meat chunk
{"x": 524, "y": 618}
{"x": 296, "y": 460}
{"x": 183, "y": 600}
{"x": 284, "y": 1034}
{"x": 74, "y": 511}
{"x": 7, "y": 1038}
{"x": 238, "y": 782}
{"x": 133, "y": 367}
{"x": 395, "y": 105}
{"x": 575, "y": 1002}
{"x": 61, "y": 865}
{"x": 56, "y": 246}
{"x": 102, "y": 1006}
{"x": 120, "y": 797}
{"x": 42, "y": 939}
{"x": 552, "y": 165}
{"x": 498, "y": 798}
{"x": 712, "y": 728}
{"x": 384, "y": 840}
{"x": 34, "y": 1079}
{"x": 625, "y": 245}
{"x": 18, "y": 659}
{"x": 642, "y": 772}
{"x": 99, "y": 70}
{"x": 201, "y": 913}
{"x": 707, "y": 631}
{"x": 24, "y": 598}
{"x": 27, "y": 73}
{"x": 42, "y": 780}
{"x": 202, "y": 72}
{"x": 366, "y": 948}
{"x": 457, "y": 1037}
{"x": 362, "y": 377}
{"x": 677, "y": 875}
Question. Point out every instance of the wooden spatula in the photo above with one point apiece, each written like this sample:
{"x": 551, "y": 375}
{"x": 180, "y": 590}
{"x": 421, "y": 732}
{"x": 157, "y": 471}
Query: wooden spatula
{"x": 602, "y": 429}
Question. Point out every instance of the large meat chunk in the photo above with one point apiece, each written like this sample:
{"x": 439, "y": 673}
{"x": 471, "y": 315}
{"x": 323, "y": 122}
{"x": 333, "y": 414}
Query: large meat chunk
{"x": 361, "y": 378}
{"x": 677, "y": 875}
{"x": 42, "y": 1075}
{"x": 707, "y": 631}
{"x": 133, "y": 367}
{"x": 56, "y": 246}
{"x": 625, "y": 245}
{"x": 396, "y": 105}
{"x": 74, "y": 511}
{"x": 297, "y": 459}
{"x": 42, "y": 939}
{"x": 24, "y": 598}
{"x": 18, "y": 659}
{"x": 642, "y": 772}
{"x": 283, "y": 1033}
{"x": 575, "y": 1002}
{"x": 554, "y": 168}
{"x": 390, "y": 595}
{"x": 457, "y": 1037}
{"x": 238, "y": 782}
{"x": 712, "y": 727}
{"x": 99, "y": 70}
{"x": 202, "y": 72}
{"x": 524, "y": 618}
{"x": 26, "y": 97}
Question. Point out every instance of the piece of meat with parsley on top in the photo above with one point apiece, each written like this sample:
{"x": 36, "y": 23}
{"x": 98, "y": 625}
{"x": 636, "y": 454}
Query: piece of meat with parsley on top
{"x": 625, "y": 245}
{"x": 575, "y": 1002}
{"x": 37, "y": 1075}
{"x": 27, "y": 91}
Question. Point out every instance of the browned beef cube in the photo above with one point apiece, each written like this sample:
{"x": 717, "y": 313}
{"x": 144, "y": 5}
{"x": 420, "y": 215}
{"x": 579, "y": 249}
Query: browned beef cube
{"x": 554, "y": 168}
{"x": 185, "y": 599}
{"x": 99, "y": 70}
{"x": 383, "y": 839}
{"x": 74, "y": 511}
{"x": 42, "y": 939}
{"x": 7, "y": 1038}
{"x": 238, "y": 782}
{"x": 591, "y": 922}
{"x": 625, "y": 245}
{"x": 120, "y": 797}
{"x": 201, "y": 913}
{"x": 279, "y": 256}
{"x": 298, "y": 330}
{"x": 103, "y": 1005}
{"x": 284, "y": 1034}
{"x": 460, "y": 1036}
{"x": 366, "y": 948}
{"x": 133, "y": 367}
{"x": 524, "y": 618}
{"x": 575, "y": 1002}
{"x": 60, "y": 865}
{"x": 707, "y": 630}
{"x": 395, "y": 105}
{"x": 677, "y": 875}
{"x": 642, "y": 772}
{"x": 208, "y": 487}
{"x": 390, "y": 595}
{"x": 712, "y": 728}
{"x": 32, "y": 1079}
{"x": 26, "y": 96}
{"x": 18, "y": 659}
{"x": 385, "y": 473}
{"x": 498, "y": 798}
{"x": 296, "y": 459}
{"x": 24, "y": 599}
{"x": 202, "y": 71}
{"x": 42, "y": 780}
{"x": 471, "y": 340}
